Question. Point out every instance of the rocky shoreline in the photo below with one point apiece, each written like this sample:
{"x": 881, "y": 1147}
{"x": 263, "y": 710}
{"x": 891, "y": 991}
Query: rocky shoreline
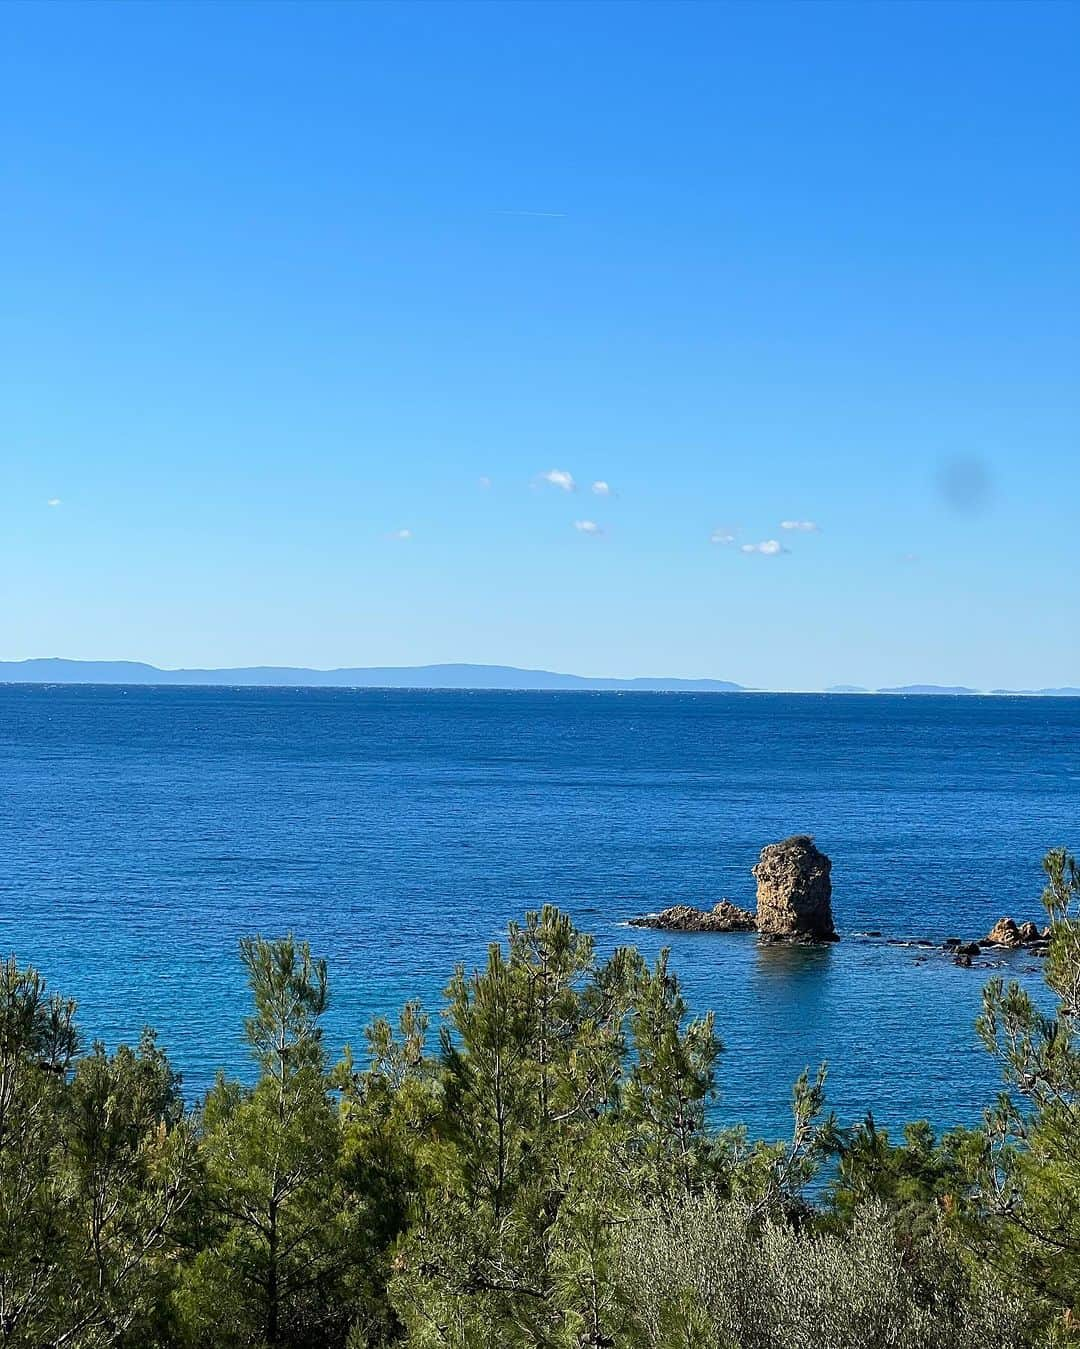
{"x": 723, "y": 917}
{"x": 1005, "y": 935}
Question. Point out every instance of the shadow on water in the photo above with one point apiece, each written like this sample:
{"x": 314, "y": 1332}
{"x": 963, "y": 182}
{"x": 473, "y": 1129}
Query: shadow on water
{"x": 792, "y": 961}
{"x": 795, "y": 985}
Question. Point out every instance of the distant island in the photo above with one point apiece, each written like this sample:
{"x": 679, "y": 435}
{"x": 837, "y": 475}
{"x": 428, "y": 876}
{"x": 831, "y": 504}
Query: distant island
{"x": 955, "y": 689}
{"x": 452, "y": 676}
{"x": 56, "y": 671}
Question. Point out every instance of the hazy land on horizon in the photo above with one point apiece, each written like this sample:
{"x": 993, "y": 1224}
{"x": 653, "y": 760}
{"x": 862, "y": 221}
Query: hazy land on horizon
{"x": 450, "y": 675}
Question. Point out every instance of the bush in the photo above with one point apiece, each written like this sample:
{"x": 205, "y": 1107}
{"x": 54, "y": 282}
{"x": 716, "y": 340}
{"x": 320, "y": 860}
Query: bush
{"x": 710, "y": 1275}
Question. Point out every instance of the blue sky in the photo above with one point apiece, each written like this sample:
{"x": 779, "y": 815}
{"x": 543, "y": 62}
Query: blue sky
{"x": 281, "y": 282}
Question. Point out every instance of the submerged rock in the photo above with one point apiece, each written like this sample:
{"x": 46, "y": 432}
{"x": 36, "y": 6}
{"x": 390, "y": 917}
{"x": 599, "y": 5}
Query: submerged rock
{"x": 794, "y": 891}
{"x": 723, "y": 917}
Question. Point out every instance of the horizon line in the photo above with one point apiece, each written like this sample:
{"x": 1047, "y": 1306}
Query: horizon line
{"x": 574, "y": 682}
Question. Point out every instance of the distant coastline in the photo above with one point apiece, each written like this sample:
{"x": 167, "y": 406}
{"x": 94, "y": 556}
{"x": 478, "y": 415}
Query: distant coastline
{"x": 56, "y": 670}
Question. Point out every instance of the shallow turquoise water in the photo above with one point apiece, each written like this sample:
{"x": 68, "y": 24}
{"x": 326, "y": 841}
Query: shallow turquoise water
{"x": 143, "y": 830}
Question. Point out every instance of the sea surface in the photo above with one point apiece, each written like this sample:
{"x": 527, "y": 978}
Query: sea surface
{"x": 143, "y": 831}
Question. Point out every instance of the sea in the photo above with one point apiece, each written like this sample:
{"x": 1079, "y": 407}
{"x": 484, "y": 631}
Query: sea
{"x": 145, "y": 830}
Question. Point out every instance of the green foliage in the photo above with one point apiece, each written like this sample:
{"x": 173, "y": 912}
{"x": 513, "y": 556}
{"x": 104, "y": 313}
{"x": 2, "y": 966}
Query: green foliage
{"x": 920, "y": 1180}
{"x": 1030, "y": 1182}
{"x": 277, "y": 1226}
{"x": 670, "y": 1084}
{"x": 529, "y": 1075}
{"x": 96, "y": 1167}
{"x": 715, "y": 1275}
{"x": 389, "y": 1114}
{"x": 37, "y": 1044}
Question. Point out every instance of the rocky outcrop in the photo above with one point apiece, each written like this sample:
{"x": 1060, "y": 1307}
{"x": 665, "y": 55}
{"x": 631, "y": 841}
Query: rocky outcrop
{"x": 794, "y": 891}
{"x": 723, "y": 917}
{"x": 1005, "y": 932}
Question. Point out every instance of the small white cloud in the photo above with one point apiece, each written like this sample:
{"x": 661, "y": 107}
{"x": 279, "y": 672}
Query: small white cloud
{"x": 601, "y": 489}
{"x": 767, "y": 547}
{"x": 587, "y": 527}
{"x": 804, "y": 526}
{"x": 558, "y": 477}
{"x": 909, "y": 557}
{"x": 484, "y": 481}
{"x": 400, "y": 534}
{"x": 721, "y": 536}
{"x": 53, "y": 501}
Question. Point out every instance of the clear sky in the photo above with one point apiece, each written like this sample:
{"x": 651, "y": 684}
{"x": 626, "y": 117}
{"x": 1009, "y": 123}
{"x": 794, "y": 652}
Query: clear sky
{"x": 300, "y": 303}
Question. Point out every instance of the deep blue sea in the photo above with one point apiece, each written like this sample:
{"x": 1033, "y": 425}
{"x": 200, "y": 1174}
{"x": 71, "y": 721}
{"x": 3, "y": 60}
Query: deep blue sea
{"x": 144, "y": 830}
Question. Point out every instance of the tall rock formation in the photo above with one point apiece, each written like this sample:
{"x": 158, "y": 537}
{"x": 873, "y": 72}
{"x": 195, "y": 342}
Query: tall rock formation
{"x": 794, "y": 891}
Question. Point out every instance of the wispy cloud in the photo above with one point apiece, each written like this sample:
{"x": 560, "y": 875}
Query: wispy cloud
{"x": 721, "y": 536}
{"x": 601, "y": 488}
{"x": 402, "y": 534}
{"x": 767, "y": 548}
{"x": 541, "y": 215}
{"x": 803, "y": 526}
{"x": 558, "y": 477}
{"x": 484, "y": 481}
{"x": 587, "y": 527}
{"x": 53, "y": 501}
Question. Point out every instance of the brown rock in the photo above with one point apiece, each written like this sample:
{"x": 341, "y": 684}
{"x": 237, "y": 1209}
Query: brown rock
{"x": 723, "y": 917}
{"x": 1004, "y": 933}
{"x": 1029, "y": 933}
{"x": 794, "y": 891}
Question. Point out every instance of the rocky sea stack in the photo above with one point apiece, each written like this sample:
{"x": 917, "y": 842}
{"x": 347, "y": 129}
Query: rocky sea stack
{"x": 794, "y": 899}
{"x": 794, "y": 892}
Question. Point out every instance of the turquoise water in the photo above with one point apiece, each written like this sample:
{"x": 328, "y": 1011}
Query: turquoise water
{"x": 144, "y": 830}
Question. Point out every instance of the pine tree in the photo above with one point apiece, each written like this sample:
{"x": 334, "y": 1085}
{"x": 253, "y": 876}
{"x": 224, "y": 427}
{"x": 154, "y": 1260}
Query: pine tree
{"x": 1030, "y": 1223}
{"x": 37, "y": 1044}
{"x": 278, "y": 1225}
{"x": 96, "y": 1168}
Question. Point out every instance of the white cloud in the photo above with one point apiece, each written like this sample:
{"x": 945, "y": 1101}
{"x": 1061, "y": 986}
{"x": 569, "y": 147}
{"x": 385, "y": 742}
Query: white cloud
{"x": 53, "y": 501}
{"x": 484, "y": 481}
{"x": 558, "y": 477}
{"x": 721, "y": 536}
{"x": 601, "y": 489}
{"x": 804, "y": 526}
{"x": 401, "y": 534}
{"x": 767, "y": 547}
{"x": 587, "y": 527}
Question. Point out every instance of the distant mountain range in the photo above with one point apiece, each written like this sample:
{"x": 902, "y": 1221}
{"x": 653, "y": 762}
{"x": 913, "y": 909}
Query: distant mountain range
{"x": 57, "y": 671}
{"x": 389, "y": 676}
